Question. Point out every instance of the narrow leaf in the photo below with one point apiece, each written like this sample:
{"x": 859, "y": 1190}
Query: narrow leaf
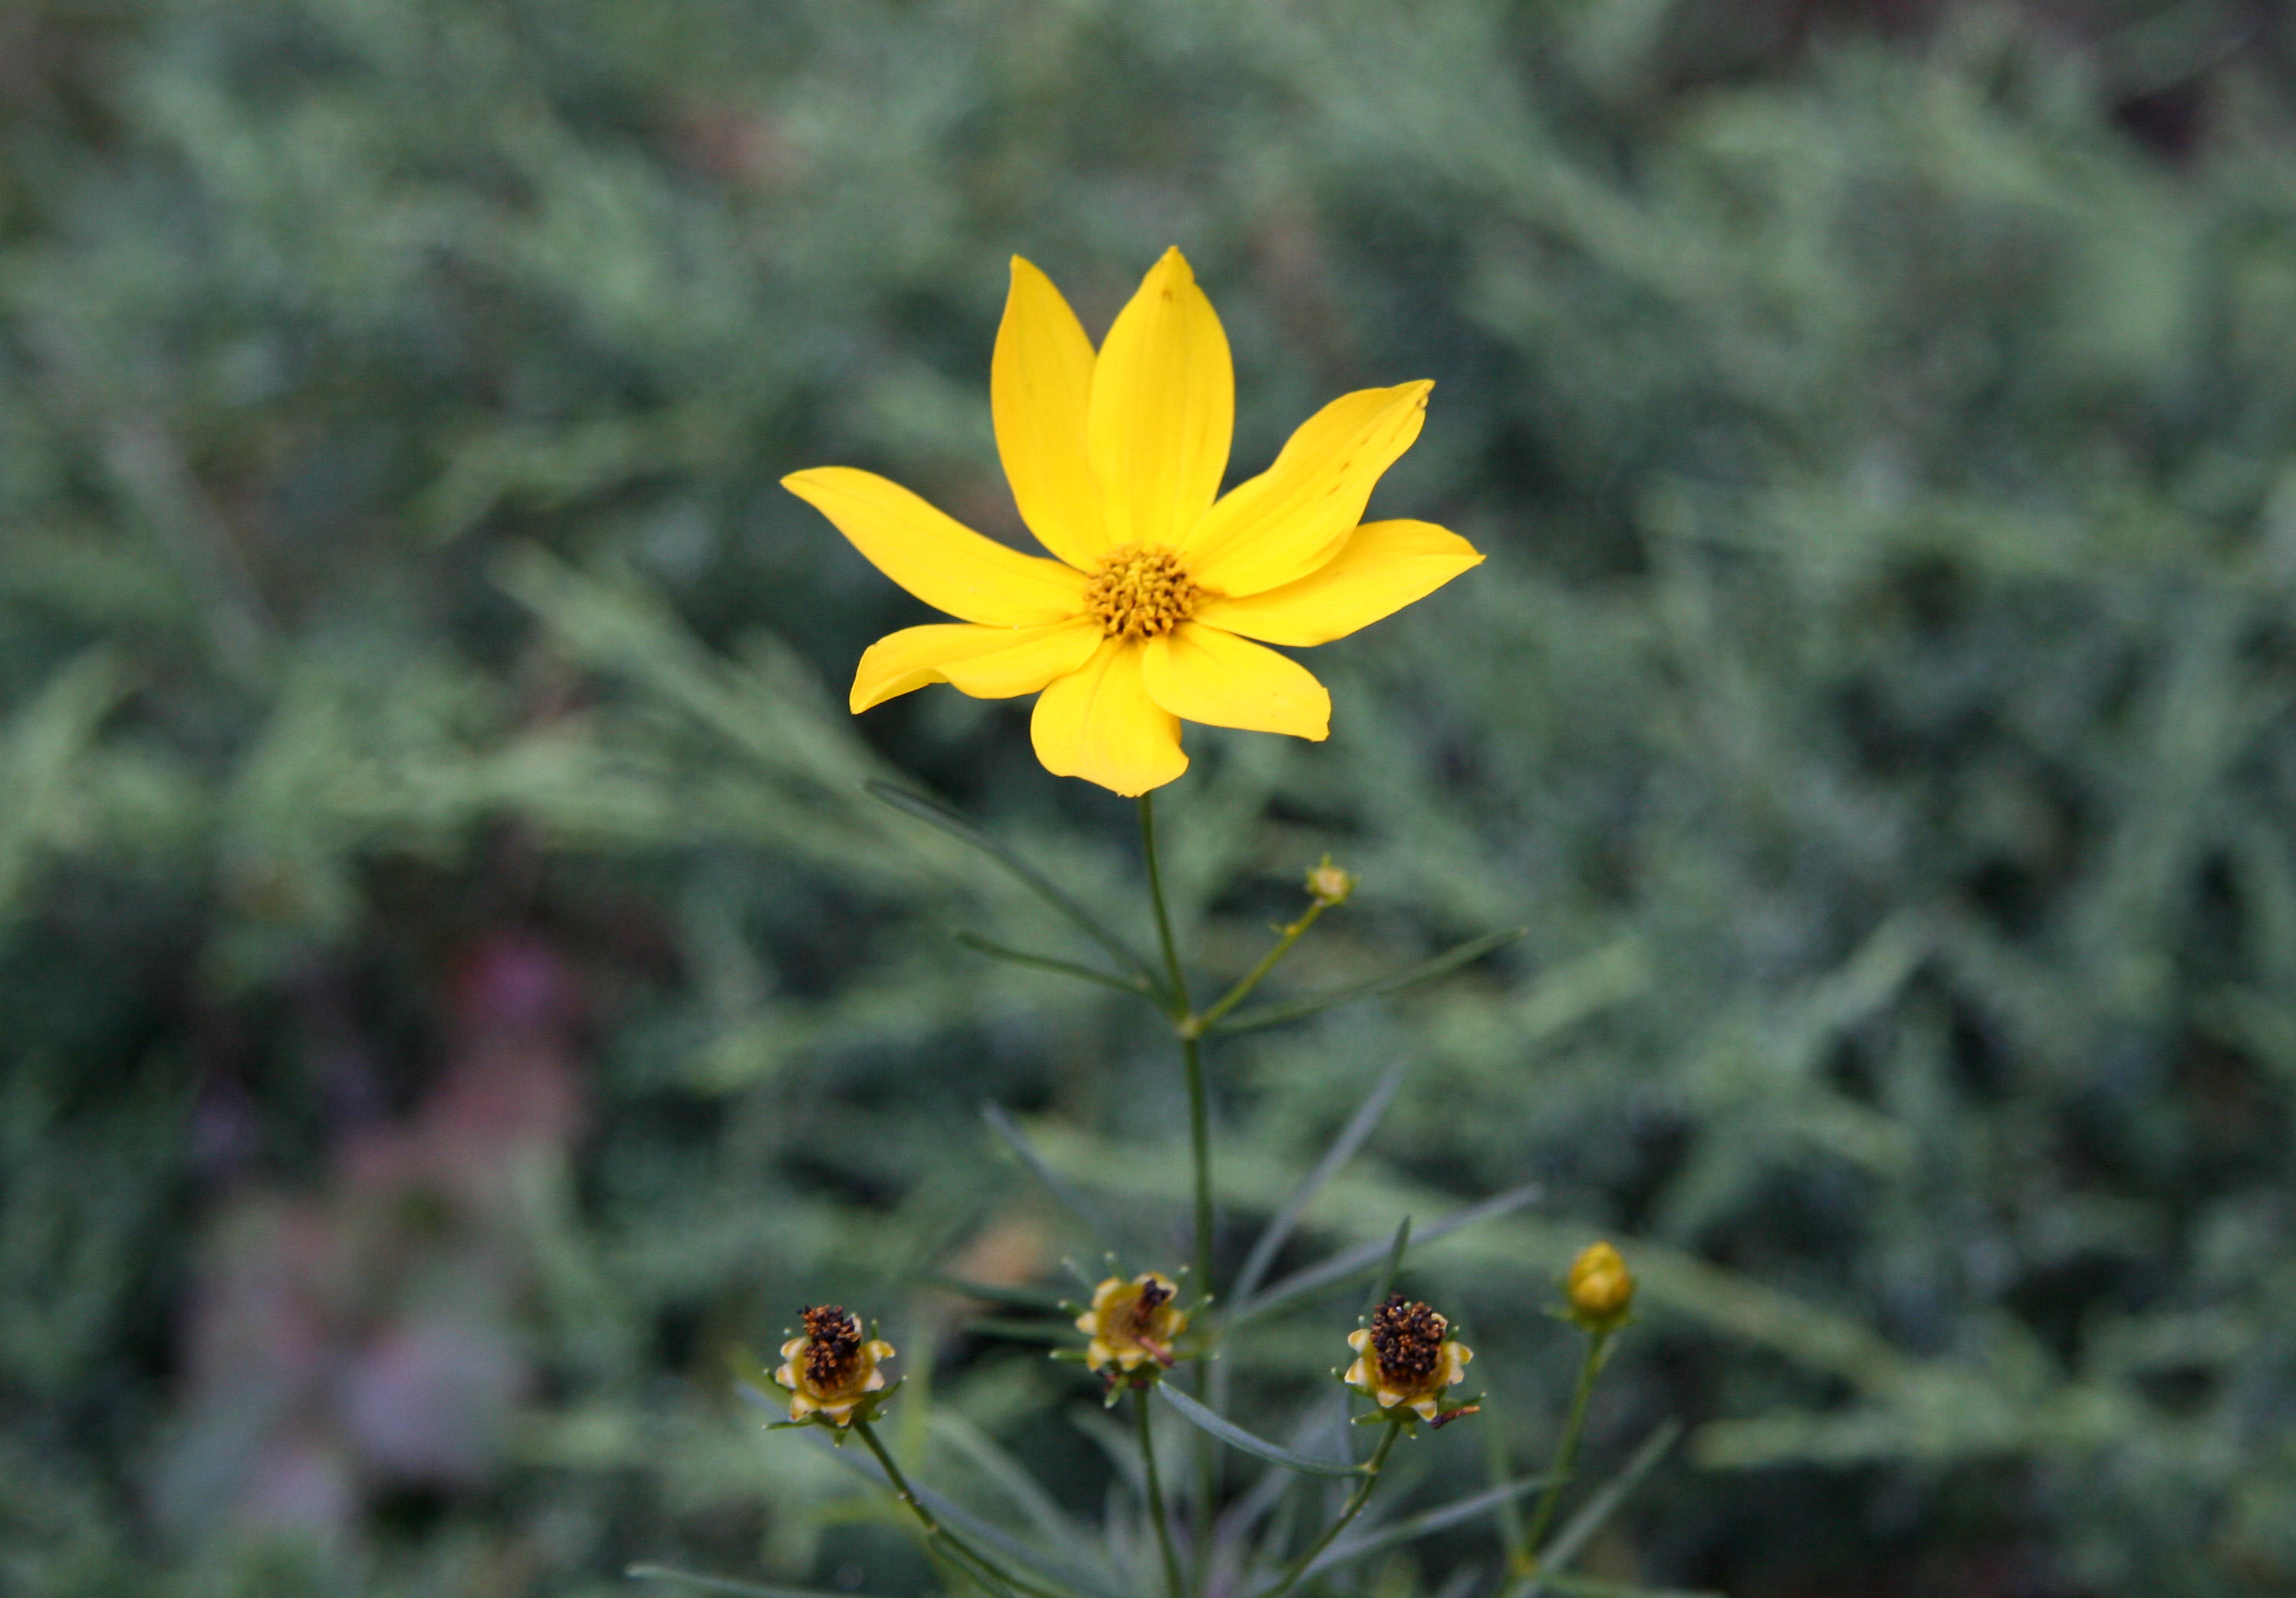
{"x": 1276, "y": 1015}
{"x": 1051, "y": 1567}
{"x": 994, "y": 1292}
{"x": 718, "y": 1584}
{"x": 939, "y": 816}
{"x": 1055, "y": 1184}
{"x": 1022, "y": 1332}
{"x": 1587, "y": 1586}
{"x": 986, "y": 1455}
{"x": 1235, "y": 1436}
{"x": 1364, "y": 1256}
{"x": 1420, "y": 1525}
{"x": 1580, "y": 1529}
{"x": 1066, "y": 968}
{"x": 1343, "y": 1149}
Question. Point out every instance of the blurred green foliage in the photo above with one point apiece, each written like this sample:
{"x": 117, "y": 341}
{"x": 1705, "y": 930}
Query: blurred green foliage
{"x": 458, "y": 1005}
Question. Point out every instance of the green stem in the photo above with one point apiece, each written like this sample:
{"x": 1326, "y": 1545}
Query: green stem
{"x": 1361, "y": 1496}
{"x": 939, "y": 1536}
{"x": 1180, "y": 1009}
{"x": 1566, "y": 1448}
{"x": 1172, "y": 1587}
{"x": 1287, "y": 937}
{"x": 1189, "y": 1027}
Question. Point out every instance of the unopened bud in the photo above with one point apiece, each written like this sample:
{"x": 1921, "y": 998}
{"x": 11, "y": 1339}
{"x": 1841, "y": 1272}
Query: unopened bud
{"x": 1328, "y": 885}
{"x": 1601, "y": 1289}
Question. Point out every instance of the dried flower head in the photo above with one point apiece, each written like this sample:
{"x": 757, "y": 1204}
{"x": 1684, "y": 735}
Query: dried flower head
{"x": 1406, "y": 1357}
{"x": 1133, "y": 1323}
{"x": 1161, "y": 584}
{"x": 832, "y": 1368}
{"x": 1601, "y": 1288}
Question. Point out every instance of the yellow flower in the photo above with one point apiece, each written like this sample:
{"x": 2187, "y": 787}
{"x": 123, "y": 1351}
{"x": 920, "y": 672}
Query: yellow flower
{"x": 1132, "y": 1322}
{"x": 1404, "y": 1357}
{"x": 1115, "y": 461}
{"x": 833, "y": 1368}
{"x": 1599, "y": 1287}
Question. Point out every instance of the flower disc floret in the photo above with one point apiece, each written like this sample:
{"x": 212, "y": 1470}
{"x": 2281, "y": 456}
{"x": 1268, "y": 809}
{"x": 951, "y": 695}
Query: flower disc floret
{"x": 832, "y": 1367}
{"x": 1406, "y": 1358}
{"x": 1140, "y": 592}
{"x": 1132, "y": 1324}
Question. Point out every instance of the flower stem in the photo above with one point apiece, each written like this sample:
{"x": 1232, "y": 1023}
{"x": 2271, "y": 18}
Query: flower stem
{"x": 1287, "y": 937}
{"x": 975, "y": 1562}
{"x": 1172, "y": 1585}
{"x": 1188, "y": 1024}
{"x": 1355, "y": 1501}
{"x": 1180, "y": 982}
{"x": 1566, "y": 1448}
{"x": 1188, "y": 1027}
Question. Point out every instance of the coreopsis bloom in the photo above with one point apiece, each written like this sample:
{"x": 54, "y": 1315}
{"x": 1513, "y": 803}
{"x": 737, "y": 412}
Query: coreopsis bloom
{"x": 1406, "y": 1358}
{"x": 1132, "y": 1322}
{"x": 1145, "y": 618}
{"x": 1599, "y": 1287}
{"x": 832, "y": 1369}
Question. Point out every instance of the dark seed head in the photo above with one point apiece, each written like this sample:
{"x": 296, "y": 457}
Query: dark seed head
{"x": 1408, "y": 1338}
{"x": 832, "y": 1345}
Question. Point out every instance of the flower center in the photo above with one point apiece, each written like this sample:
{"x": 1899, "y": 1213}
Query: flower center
{"x": 1408, "y": 1337}
{"x": 1141, "y": 591}
{"x": 834, "y": 1346}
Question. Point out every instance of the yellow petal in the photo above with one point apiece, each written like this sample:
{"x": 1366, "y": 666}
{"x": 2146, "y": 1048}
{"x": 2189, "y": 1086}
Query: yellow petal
{"x": 1163, "y": 408}
{"x": 985, "y": 662}
{"x": 1099, "y": 724}
{"x": 943, "y": 562}
{"x": 1381, "y": 568}
{"x": 1201, "y": 674}
{"x": 1293, "y": 517}
{"x": 1039, "y": 393}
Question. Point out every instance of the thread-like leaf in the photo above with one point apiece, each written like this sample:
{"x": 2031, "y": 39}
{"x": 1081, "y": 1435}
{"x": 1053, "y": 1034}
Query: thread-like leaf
{"x": 939, "y": 816}
{"x": 1364, "y": 1257}
{"x": 1235, "y": 1436}
{"x": 1275, "y": 1015}
{"x": 1343, "y": 1148}
{"x": 1086, "y": 1212}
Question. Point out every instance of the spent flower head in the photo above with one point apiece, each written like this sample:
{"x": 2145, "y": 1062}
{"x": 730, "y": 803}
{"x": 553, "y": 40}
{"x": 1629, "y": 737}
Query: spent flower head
{"x": 1133, "y": 1325}
{"x": 830, "y": 1371}
{"x": 1599, "y": 1287}
{"x": 1405, "y": 1359}
{"x": 1147, "y": 618}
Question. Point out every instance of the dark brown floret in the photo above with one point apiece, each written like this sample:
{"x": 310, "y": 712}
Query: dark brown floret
{"x": 1408, "y": 1337}
{"x": 834, "y": 1344}
{"x": 1153, "y": 1297}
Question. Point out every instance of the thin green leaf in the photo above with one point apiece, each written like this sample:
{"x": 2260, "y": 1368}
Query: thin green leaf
{"x": 986, "y": 1455}
{"x": 1235, "y": 1436}
{"x": 1385, "y": 1283}
{"x": 1048, "y": 1566}
{"x": 1343, "y": 1149}
{"x": 993, "y": 1292}
{"x": 1420, "y": 1525}
{"x": 1580, "y": 1529}
{"x": 718, "y": 1584}
{"x": 1276, "y": 1015}
{"x": 1587, "y": 1586}
{"x": 1022, "y": 1332}
{"x": 1066, "y": 968}
{"x": 938, "y": 815}
{"x": 1053, "y": 1182}
{"x": 1364, "y": 1257}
